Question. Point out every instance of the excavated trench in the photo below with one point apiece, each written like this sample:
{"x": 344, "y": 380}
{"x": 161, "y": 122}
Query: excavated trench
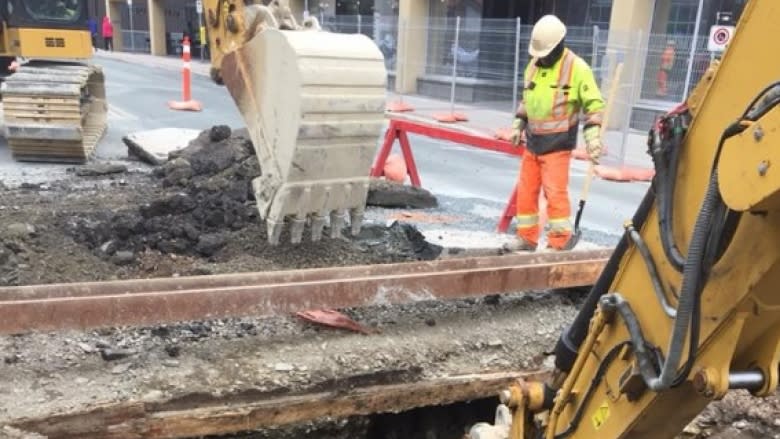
{"x": 450, "y": 421}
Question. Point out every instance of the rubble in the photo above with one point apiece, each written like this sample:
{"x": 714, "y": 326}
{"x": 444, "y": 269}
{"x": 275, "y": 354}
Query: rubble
{"x": 99, "y": 169}
{"x": 385, "y": 193}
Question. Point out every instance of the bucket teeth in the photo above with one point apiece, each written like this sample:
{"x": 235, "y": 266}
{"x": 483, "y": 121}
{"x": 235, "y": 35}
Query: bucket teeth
{"x": 296, "y": 232}
{"x": 317, "y": 224}
{"x": 337, "y": 220}
{"x": 313, "y": 119}
{"x": 274, "y": 231}
{"x": 356, "y": 220}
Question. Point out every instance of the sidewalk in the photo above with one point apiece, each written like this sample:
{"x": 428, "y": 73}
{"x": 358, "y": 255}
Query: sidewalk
{"x": 629, "y": 148}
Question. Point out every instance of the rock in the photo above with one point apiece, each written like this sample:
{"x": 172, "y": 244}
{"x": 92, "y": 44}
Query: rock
{"x": 175, "y": 204}
{"x": 385, "y": 193}
{"x": 81, "y": 380}
{"x": 115, "y": 354}
{"x": 208, "y": 245}
{"x": 172, "y": 350}
{"x": 9, "y": 267}
{"x": 100, "y": 169}
{"x": 283, "y": 367}
{"x": 123, "y": 257}
{"x": 121, "y": 368}
{"x": 692, "y": 429}
{"x": 177, "y": 171}
{"x": 219, "y": 133}
{"x": 20, "y": 230}
{"x": 170, "y": 363}
{"x": 86, "y": 348}
{"x": 741, "y": 424}
{"x": 153, "y": 395}
{"x": 108, "y": 248}
{"x": 158, "y": 145}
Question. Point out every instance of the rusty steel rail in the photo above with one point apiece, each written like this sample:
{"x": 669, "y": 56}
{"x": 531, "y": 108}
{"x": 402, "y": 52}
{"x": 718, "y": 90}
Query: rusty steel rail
{"x": 166, "y": 300}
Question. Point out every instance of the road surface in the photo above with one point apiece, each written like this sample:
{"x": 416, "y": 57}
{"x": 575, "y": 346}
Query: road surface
{"x": 469, "y": 180}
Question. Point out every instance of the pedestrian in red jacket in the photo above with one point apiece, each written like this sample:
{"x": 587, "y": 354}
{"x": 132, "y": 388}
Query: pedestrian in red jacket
{"x": 108, "y": 33}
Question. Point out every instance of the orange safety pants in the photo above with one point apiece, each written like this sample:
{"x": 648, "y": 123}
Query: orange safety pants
{"x": 551, "y": 173}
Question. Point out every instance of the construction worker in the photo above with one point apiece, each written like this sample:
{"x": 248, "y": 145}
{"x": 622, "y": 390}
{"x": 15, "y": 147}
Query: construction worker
{"x": 667, "y": 63}
{"x": 558, "y": 85}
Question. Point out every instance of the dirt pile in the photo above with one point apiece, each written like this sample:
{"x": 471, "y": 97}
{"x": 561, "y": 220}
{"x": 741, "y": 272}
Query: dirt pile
{"x": 193, "y": 215}
{"x": 209, "y": 186}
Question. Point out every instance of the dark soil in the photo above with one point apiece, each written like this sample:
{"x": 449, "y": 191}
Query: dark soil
{"x": 195, "y": 215}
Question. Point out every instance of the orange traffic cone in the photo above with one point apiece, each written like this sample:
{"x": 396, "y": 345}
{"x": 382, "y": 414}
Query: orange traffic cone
{"x": 187, "y": 104}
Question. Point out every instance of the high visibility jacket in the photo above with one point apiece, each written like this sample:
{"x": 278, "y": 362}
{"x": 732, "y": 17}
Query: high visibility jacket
{"x": 552, "y": 100}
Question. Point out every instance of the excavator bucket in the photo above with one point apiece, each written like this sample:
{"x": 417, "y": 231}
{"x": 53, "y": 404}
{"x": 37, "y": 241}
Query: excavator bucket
{"x": 314, "y": 104}
{"x": 54, "y": 112}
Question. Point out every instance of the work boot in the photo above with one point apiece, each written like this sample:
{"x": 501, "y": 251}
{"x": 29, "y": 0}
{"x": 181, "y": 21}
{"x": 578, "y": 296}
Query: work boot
{"x": 500, "y": 428}
{"x": 520, "y": 245}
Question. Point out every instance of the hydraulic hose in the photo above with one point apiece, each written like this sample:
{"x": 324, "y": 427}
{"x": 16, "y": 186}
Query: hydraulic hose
{"x": 691, "y": 286}
{"x": 645, "y": 357}
{"x": 658, "y": 287}
{"x": 573, "y": 335}
{"x": 666, "y": 171}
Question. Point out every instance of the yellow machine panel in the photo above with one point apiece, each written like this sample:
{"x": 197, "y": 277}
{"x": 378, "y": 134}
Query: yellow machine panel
{"x": 50, "y": 43}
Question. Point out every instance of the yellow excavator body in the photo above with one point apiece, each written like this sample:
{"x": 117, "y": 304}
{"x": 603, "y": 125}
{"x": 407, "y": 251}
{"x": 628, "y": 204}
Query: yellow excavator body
{"x": 687, "y": 309}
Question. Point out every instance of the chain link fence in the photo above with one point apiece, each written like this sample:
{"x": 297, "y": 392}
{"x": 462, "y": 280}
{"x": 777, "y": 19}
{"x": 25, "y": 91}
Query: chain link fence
{"x": 474, "y": 66}
{"x": 136, "y": 41}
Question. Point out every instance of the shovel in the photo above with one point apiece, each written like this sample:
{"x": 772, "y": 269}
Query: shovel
{"x": 577, "y": 234}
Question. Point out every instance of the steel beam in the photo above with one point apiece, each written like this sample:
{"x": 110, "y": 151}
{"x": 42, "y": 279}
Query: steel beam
{"x": 167, "y": 300}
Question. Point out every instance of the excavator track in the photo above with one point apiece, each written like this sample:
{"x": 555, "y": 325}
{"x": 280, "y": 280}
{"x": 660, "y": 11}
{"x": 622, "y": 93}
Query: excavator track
{"x": 54, "y": 112}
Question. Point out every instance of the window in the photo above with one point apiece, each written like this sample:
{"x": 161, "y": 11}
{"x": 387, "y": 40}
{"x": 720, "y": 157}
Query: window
{"x": 599, "y": 13}
{"x": 54, "y": 10}
{"x": 682, "y": 17}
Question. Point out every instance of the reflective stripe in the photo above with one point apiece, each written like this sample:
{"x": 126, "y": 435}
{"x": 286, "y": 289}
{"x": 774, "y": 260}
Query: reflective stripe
{"x": 564, "y": 79}
{"x": 552, "y": 126}
{"x": 526, "y": 221}
{"x": 531, "y": 73}
{"x": 560, "y": 225}
{"x": 559, "y": 121}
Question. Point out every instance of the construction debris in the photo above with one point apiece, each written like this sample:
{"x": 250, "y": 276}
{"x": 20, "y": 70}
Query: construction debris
{"x": 99, "y": 169}
{"x": 154, "y": 146}
{"x": 385, "y": 193}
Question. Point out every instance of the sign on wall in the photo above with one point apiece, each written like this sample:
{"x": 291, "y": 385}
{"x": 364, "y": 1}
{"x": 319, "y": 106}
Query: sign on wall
{"x": 720, "y": 36}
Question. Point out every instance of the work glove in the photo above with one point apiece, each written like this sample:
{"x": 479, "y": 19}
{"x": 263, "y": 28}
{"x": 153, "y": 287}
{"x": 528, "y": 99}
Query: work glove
{"x": 593, "y": 143}
{"x": 499, "y": 430}
{"x": 517, "y": 131}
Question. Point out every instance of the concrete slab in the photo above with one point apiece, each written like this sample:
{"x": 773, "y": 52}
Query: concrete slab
{"x": 153, "y": 146}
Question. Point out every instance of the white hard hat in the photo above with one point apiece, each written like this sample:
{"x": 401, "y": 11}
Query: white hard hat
{"x": 547, "y": 33}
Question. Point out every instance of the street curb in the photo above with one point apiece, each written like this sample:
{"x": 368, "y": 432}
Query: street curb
{"x": 165, "y": 66}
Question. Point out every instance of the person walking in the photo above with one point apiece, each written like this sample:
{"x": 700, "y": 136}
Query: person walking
{"x": 93, "y": 32}
{"x": 108, "y": 33}
{"x": 558, "y": 85}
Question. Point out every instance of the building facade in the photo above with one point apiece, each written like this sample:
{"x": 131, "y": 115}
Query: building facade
{"x": 662, "y": 43}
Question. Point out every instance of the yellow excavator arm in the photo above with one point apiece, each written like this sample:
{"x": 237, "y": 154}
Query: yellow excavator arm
{"x": 688, "y": 307}
{"x": 313, "y": 103}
